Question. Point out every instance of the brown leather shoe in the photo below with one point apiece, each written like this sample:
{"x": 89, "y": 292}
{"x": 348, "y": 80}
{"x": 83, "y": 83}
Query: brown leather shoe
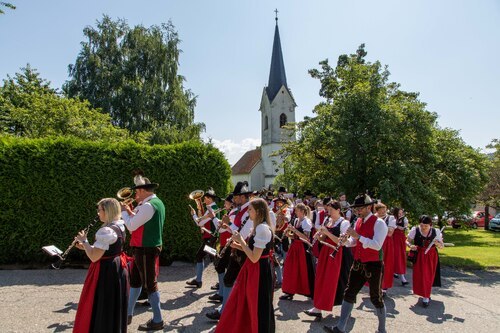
{"x": 150, "y": 325}
{"x": 129, "y": 319}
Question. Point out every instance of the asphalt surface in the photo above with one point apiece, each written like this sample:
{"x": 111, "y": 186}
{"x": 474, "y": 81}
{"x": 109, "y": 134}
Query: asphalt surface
{"x": 46, "y": 301}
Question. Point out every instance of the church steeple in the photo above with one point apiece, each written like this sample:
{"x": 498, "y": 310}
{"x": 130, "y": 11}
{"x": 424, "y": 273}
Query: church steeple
{"x": 277, "y": 76}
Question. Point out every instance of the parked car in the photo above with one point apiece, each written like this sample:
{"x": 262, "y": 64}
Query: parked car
{"x": 472, "y": 221}
{"x": 495, "y": 223}
{"x": 459, "y": 220}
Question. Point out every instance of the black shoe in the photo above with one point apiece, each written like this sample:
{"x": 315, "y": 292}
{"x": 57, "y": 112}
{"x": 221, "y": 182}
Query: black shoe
{"x": 214, "y": 315}
{"x": 194, "y": 283}
{"x": 277, "y": 286}
{"x": 396, "y": 276}
{"x": 425, "y": 304}
{"x": 313, "y": 314}
{"x": 150, "y": 325}
{"x": 129, "y": 320}
{"x": 215, "y": 286}
{"x": 404, "y": 283}
{"x": 332, "y": 329}
{"x": 288, "y": 297}
{"x": 384, "y": 294}
{"x": 215, "y": 298}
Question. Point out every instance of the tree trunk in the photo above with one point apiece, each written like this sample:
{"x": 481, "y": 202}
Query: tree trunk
{"x": 487, "y": 217}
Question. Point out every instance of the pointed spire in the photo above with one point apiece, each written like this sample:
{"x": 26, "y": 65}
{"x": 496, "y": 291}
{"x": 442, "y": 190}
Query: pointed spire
{"x": 277, "y": 76}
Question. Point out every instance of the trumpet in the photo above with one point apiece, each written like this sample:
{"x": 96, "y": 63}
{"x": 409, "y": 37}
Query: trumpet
{"x": 63, "y": 256}
{"x": 125, "y": 194}
{"x": 215, "y": 212}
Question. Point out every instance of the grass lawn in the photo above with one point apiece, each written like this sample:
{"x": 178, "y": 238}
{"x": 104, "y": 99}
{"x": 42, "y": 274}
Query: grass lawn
{"x": 474, "y": 249}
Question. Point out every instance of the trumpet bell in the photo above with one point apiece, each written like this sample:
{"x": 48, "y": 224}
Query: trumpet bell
{"x": 124, "y": 193}
{"x": 196, "y": 194}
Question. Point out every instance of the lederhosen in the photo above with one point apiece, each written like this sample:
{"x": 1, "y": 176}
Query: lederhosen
{"x": 367, "y": 266}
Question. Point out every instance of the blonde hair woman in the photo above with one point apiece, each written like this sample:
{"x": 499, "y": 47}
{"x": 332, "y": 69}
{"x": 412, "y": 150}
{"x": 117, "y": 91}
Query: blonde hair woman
{"x": 103, "y": 302}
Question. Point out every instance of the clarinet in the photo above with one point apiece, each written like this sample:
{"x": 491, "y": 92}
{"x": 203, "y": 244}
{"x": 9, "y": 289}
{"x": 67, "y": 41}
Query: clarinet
{"x": 63, "y": 256}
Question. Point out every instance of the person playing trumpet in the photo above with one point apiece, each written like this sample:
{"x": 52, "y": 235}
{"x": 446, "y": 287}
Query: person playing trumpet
{"x": 298, "y": 270}
{"x": 206, "y": 221}
{"x": 103, "y": 302}
{"x": 331, "y": 273}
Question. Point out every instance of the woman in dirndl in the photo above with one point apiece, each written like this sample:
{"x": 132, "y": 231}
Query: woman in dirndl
{"x": 104, "y": 298}
{"x": 250, "y": 304}
{"x": 331, "y": 273}
{"x": 426, "y": 270}
{"x": 298, "y": 269}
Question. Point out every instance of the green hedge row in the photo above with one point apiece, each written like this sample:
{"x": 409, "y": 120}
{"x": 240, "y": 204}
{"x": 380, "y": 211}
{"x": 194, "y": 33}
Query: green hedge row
{"x": 50, "y": 187}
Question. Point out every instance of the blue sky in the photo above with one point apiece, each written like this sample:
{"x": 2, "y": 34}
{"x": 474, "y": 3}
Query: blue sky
{"x": 446, "y": 50}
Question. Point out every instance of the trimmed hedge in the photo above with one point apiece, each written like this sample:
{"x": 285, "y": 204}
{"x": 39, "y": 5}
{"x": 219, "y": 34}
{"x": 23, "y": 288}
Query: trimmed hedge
{"x": 50, "y": 188}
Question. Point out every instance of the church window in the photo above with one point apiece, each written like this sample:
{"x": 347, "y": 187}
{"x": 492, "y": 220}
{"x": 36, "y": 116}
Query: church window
{"x": 282, "y": 120}
{"x": 266, "y": 123}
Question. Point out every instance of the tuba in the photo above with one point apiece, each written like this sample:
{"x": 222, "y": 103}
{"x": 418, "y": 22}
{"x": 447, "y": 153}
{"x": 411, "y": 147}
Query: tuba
{"x": 125, "y": 195}
{"x": 196, "y": 195}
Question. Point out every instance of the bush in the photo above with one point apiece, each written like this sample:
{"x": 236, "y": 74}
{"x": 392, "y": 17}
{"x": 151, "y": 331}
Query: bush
{"x": 50, "y": 188}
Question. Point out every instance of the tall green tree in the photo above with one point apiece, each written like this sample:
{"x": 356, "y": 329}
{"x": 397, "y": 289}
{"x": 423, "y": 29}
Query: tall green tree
{"x": 132, "y": 75}
{"x": 29, "y": 107}
{"x": 368, "y": 134}
{"x": 491, "y": 192}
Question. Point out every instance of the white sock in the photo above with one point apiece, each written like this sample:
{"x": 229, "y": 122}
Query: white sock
{"x": 425, "y": 300}
{"x": 402, "y": 277}
{"x": 314, "y": 310}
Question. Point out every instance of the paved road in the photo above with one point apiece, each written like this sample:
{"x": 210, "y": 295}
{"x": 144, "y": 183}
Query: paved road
{"x": 45, "y": 301}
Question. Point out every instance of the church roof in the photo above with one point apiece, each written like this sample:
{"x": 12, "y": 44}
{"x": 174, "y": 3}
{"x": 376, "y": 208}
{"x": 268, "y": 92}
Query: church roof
{"x": 247, "y": 162}
{"x": 277, "y": 76}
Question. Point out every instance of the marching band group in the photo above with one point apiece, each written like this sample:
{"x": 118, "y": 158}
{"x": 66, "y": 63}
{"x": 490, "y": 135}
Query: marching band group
{"x": 326, "y": 250}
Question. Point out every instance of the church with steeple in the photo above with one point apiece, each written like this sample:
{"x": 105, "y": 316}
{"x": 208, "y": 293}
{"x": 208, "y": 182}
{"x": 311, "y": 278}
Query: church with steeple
{"x": 277, "y": 107}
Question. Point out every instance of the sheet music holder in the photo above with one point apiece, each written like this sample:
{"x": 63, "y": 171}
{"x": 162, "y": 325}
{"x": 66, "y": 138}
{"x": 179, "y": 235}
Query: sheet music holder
{"x": 52, "y": 250}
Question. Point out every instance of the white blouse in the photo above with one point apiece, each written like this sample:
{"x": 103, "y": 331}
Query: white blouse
{"x": 413, "y": 232}
{"x": 306, "y": 224}
{"x": 106, "y": 236}
{"x": 263, "y": 235}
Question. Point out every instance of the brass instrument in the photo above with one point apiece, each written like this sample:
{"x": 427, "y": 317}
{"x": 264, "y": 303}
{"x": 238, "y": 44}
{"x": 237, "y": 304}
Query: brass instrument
{"x": 196, "y": 195}
{"x": 280, "y": 216}
{"x": 63, "y": 256}
{"x": 215, "y": 212}
{"x": 125, "y": 194}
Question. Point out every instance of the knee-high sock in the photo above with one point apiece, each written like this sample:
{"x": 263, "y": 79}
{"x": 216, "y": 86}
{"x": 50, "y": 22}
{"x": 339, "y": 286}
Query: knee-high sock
{"x": 221, "y": 284}
{"x": 199, "y": 271}
{"x": 381, "y": 314}
{"x": 225, "y": 295}
{"x": 279, "y": 274}
{"x": 154, "y": 300}
{"x": 345, "y": 313}
{"x": 132, "y": 299}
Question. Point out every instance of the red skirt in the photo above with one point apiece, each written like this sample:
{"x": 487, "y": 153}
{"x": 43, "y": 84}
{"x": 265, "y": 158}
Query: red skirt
{"x": 424, "y": 271}
{"x": 296, "y": 273}
{"x": 388, "y": 249}
{"x": 399, "y": 240}
{"x": 243, "y": 311}
{"x": 86, "y": 303}
{"x": 327, "y": 275}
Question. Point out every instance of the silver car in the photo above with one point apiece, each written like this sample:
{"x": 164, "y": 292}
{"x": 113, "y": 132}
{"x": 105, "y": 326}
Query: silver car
{"x": 495, "y": 223}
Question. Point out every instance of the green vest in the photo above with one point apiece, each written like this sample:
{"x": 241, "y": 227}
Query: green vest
{"x": 153, "y": 229}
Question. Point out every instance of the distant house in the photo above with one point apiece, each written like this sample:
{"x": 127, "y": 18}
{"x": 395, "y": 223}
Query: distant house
{"x": 277, "y": 109}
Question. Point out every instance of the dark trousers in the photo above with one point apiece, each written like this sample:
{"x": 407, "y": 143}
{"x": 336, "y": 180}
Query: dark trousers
{"x": 144, "y": 270}
{"x": 372, "y": 272}
{"x": 201, "y": 254}
{"x": 236, "y": 260}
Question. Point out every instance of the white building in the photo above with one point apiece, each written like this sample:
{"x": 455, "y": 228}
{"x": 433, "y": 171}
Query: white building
{"x": 277, "y": 108}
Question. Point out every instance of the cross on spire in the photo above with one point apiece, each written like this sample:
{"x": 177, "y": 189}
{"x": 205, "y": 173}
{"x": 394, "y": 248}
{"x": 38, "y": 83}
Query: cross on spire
{"x": 276, "y": 11}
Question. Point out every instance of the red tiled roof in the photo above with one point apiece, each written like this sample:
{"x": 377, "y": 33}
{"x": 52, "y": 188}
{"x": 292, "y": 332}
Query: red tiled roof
{"x": 247, "y": 162}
